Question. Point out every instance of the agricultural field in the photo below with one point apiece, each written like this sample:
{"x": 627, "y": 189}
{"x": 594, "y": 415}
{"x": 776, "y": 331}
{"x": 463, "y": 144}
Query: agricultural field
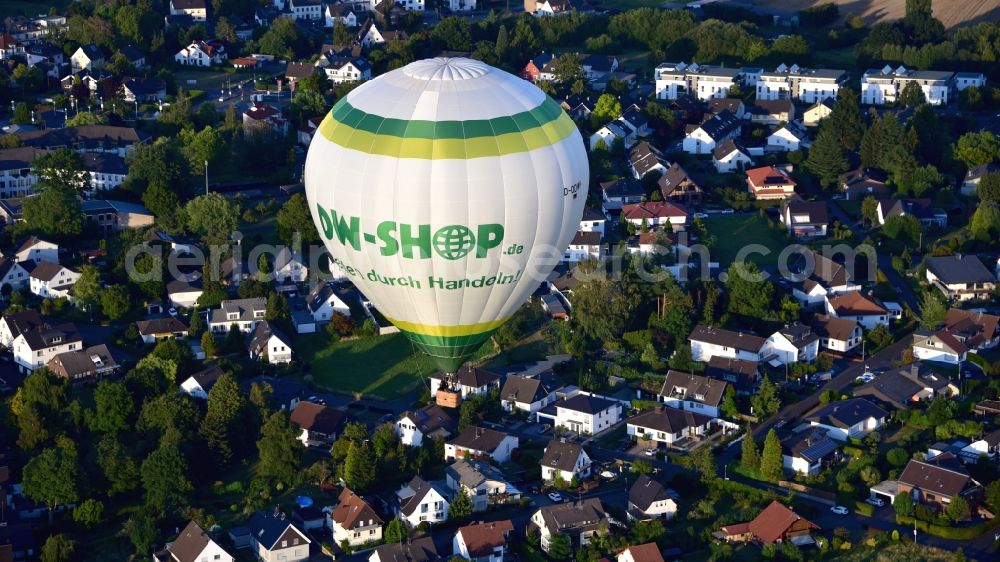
{"x": 952, "y": 14}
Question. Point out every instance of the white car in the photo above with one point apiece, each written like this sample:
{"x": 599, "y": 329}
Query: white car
{"x": 866, "y": 377}
{"x": 649, "y": 452}
{"x": 172, "y": 311}
{"x": 701, "y": 215}
{"x": 839, "y": 510}
{"x": 728, "y": 211}
{"x": 877, "y": 502}
{"x": 555, "y": 496}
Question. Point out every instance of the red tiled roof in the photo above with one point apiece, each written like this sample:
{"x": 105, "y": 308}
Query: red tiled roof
{"x": 774, "y": 521}
{"x": 768, "y": 176}
{"x": 854, "y": 303}
{"x": 653, "y": 209}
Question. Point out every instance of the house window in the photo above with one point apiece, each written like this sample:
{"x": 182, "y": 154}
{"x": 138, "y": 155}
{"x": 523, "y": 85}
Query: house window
{"x": 284, "y": 544}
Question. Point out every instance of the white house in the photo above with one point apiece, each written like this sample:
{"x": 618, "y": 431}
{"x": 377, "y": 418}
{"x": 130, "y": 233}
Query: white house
{"x": 269, "y": 343}
{"x": 244, "y": 313}
{"x": 324, "y": 301}
{"x": 197, "y": 9}
{"x": 461, "y": 6}
{"x": 843, "y": 419}
{"x": 35, "y": 347}
{"x": 607, "y": 135}
{"x": 960, "y": 277}
{"x": 482, "y": 541}
{"x": 584, "y": 246}
{"x": 805, "y": 219}
{"x": 468, "y": 381}
{"x": 667, "y": 425}
{"x": 941, "y": 346}
{"x": 157, "y": 329}
{"x": 729, "y": 157}
{"x": 817, "y": 112}
{"x": 592, "y": 221}
{"x": 413, "y": 550}
{"x": 319, "y": 423}
{"x": 87, "y": 57}
{"x": 480, "y": 443}
{"x": 577, "y": 520}
{"x": 879, "y": 87}
{"x": 183, "y": 293}
{"x": 619, "y": 192}
{"x": 824, "y": 277}
{"x": 37, "y": 250}
{"x": 273, "y": 538}
{"x": 704, "y": 82}
{"x": 51, "y": 280}
{"x": 807, "y": 85}
{"x": 837, "y": 334}
{"x": 13, "y": 274}
{"x": 354, "y": 521}
{"x": 15, "y": 323}
{"x": 692, "y": 393}
{"x": 483, "y": 483}
{"x": 289, "y": 267}
{"x": 795, "y": 343}
{"x": 529, "y": 394}
{"x": 201, "y": 53}
{"x": 306, "y": 9}
{"x": 430, "y": 421}
{"x": 340, "y": 69}
{"x": 369, "y": 35}
{"x": 804, "y": 452}
{"x": 340, "y": 12}
{"x": 649, "y": 500}
{"x": 791, "y": 136}
{"x": 586, "y": 414}
{"x": 564, "y": 460}
{"x": 644, "y": 158}
{"x": 656, "y": 213}
{"x": 702, "y": 139}
{"x": 200, "y": 384}
{"x": 855, "y": 306}
{"x": 194, "y": 544}
{"x": 17, "y": 176}
{"x": 965, "y": 80}
{"x": 419, "y": 501}
{"x": 708, "y": 342}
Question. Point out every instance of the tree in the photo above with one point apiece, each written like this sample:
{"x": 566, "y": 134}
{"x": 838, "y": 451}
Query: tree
{"x": 977, "y": 148}
{"x": 38, "y": 406}
{"x": 294, "y": 218}
{"x": 22, "y": 114}
{"x": 359, "y": 466}
{"x": 213, "y": 217}
{"x": 277, "y": 307}
{"x": 985, "y": 224}
{"x": 165, "y": 205}
{"x": 770, "y": 461}
{"x": 603, "y": 308}
{"x": 54, "y": 213}
{"x": 988, "y": 188}
{"x": 649, "y": 531}
{"x": 827, "y": 160}
{"x": 279, "y": 448}
{"x": 559, "y": 546}
{"x": 606, "y": 109}
{"x": 116, "y": 465}
{"x": 224, "y": 426}
{"x": 958, "y": 510}
{"x": 116, "y": 302}
{"x": 993, "y": 494}
{"x": 341, "y": 35}
{"x": 869, "y": 210}
{"x": 932, "y": 310}
{"x": 749, "y": 293}
{"x": 141, "y": 530}
{"x": 200, "y": 147}
{"x": 208, "y": 344}
{"x": 905, "y": 228}
{"x": 454, "y": 33}
{"x": 567, "y": 68}
{"x": 58, "y": 548}
{"x": 113, "y": 407}
{"x": 164, "y": 477}
{"x": 702, "y": 460}
{"x": 461, "y": 505}
{"x": 641, "y": 466}
{"x": 87, "y": 289}
{"x": 281, "y": 40}
{"x": 749, "y": 457}
{"x": 196, "y": 326}
{"x": 766, "y": 402}
{"x": 897, "y": 456}
{"x": 52, "y": 477}
{"x": 912, "y": 95}
{"x": 395, "y": 531}
{"x": 89, "y": 514}
{"x": 902, "y": 504}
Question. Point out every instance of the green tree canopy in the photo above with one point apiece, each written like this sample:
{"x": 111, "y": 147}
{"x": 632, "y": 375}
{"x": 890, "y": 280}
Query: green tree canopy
{"x": 461, "y": 506}
{"x": 165, "y": 477}
{"x": 113, "y": 407}
{"x": 58, "y": 548}
{"x": 977, "y": 148}
{"x": 770, "y": 461}
{"x": 53, "y": 476}
{"x": 749, "y": 457}
{"x": 294, "y": 217}
{"x": 213, "y": 217}
{"x": 279, "y": 448}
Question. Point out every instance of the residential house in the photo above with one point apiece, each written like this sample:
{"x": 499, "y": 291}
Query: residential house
{"x": 648, "y": 500}
{"x": 319, "y": 423}
{"x": 340, "y": 69}
{"x": 311, "y": 10}
{"x": 649, "y": 552}
{"x": 854, "y": 305}
{"x": 105, "y": 171}
{"x": 11, "y": 48}
{"x": 547, "y": 8}
{"x": 861, "y": 183}
{"x": 196, "y": 9}
{"x": 975, "y": 329}
{"x": 200, "y": 384}
{"x": 674, "y": 80}
{"x": 644, "y": 158}
{"x": 577, "y": 520}
{"x": 34, "y": 348}
{"x": 708, "y": 342}
{"x": 156, "y": 329}
{"x": 201, "y": 53}
{"x": 184, "y": 293}
{"x": 115, "y": 216}
{"x": 843, "y": 419}
{"x": 970, "y": 185}
{"x": 51, "y": 280}
{"x": 769, "y": 183}
{"x": 656, "y": 213}
{"x": 902, "y": 387}
{"x": 615, "y": 131}
{"x": 344, "y": 13}
{"x": 739, "y": 373}
{"x": 772, "y": 112}
{"x": 836, "y": 334}
{"x": 791, "y": 136}
{"x": 295, "y": 71}
{"x": 817, "y": 112}
{"x": 965, "y": 80}
{"x": 13, "y": 324}
{"x": 960, "y": 277}
{"x": 938, "y": 482}
{"x": 17, "y": 176}
{"x": 564, "y": 460}
{"x": 883, "y": 86}
{"x": 735, "y": 106}
{"x": 985, "y": 446}
{"x": 415, "y": 550}
{"x": 274, "y": 538}
{"x": 134, "y": 56}
{"x": 617, "y": 193}
{"x": 289, "y": 267}
{"x": 264, "y": 117}
{"x": 324, "y": 301}
{"x": 529, "y": 394}
{"x": 368, "y": 35}
{"x": 806, "y": 451}
{"x": 703, "y": 138}
{"x": 37, "y": 250}
{"x": 921, "y": 209}
{"x": 354, "y": 520}
{"x": 13, "y": 274}
{"x": 86, "y": 365}
{"x": 468, "y": 381}
{"x": 592, "y": 221}
{"x": 10, "y": 211}
{"x": 940, "y": 346}
{"x": 538, "y": 68}
{"x": 87, "y": 57}
{"x": 430, "y": 421}
{"x": 585, "y": 414}
{"x": 693, "y": 393}
{"x": 676, "y": 185}
{"x": 419, "y": 501}
{"x": 480, "y": 443}
{"x": 776, "y": 524}
{"x": 805, "y": 219}
{"x": 483, "y": 483}
{"x": 596, "y": 67}
{"x": 584, "y": 246}
{"x": 806, "y": 85}
{"x": 109, "y": 139}
{"x": 482, "y": 541}
{"x": 730, "y": 157}
{"x": 667, "y": 425}
{"x": 825, "y": 277}
{"x": 193, "y": 544}
{"x": 244, "y": 313}
{"x": 795, "y": 343}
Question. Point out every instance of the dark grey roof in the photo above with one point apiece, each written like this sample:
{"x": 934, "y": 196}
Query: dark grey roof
{"x": 245, "y": 308}
{"x": 416, "y": 550}
{"x": 268, "y": 528}
{"x": 561, "y": 455}
{"x": 206, "y": 378}
{"x": 725, "y": 148}
{"x": 473, "y": 473}
{"x": 94, "y": 359}
{"x": 475, "y": 377}
{"x": 419, "y": 488}
{"x": 645, "y": 491}
{"x": 695, "y": 388}
{"x": 669, "y": 420}
{"x": 24, "y": 321}
{"x": 810, "y": 445}
{"x": 959, "y": 269}
{"x": 431, "y": 418}
{"x": 738, "y": 372}
{"x": 92, "y": 51}
{"x": 622, "y": 187}
{"x": 189, "y": 544}
{"x": 145, "y": 86}
{"x": 718, "y": 336}
{"x": 104, "y": 163}
{"x": 584, "y": 515}
{"x": 846, "y": 413}
{"x": 721, "y": 125}
{"x": 131, "y": 53}
{"x": 168, "y": 325}
{"x": 798, "y": 335}
{"x": 264, "y": 331}
{"x": 526, "y": 390}
{"x": 816, "y": 211}
{"x": 478, "y": 439}
{"x": 586, "y": 404}
{"x": 44, "y": 335}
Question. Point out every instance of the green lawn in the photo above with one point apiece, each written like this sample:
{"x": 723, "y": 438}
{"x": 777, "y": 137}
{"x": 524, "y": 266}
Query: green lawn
{"x": 385, "y": 367}
{"x": 31, "y": 8}
{"x": 734, "y": 233}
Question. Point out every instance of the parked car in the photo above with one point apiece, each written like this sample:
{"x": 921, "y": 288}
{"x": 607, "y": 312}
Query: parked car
{"x": 839, "y": 510}
{"x": 877, "y": 502}
{"x": 866, "y": 377}
{"x": 728, "y": 211}
{"x": 700, "y": 215}
{"x": 650, "y": 452}
{"x": 555, "y": 496}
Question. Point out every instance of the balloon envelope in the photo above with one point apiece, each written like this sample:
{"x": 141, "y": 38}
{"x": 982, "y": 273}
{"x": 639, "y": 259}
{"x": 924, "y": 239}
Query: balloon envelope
{"x": 446, "y": 191}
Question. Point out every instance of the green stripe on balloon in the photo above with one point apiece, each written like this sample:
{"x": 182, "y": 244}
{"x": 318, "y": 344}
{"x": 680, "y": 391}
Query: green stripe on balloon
{"x": 448, "y": 352}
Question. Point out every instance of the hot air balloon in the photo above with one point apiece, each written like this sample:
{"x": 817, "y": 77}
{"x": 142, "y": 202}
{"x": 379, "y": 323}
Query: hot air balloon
{"x": 446, "y": 191}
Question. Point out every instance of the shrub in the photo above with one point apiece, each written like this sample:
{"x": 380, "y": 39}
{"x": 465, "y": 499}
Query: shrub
{"x": 865, "y": 509}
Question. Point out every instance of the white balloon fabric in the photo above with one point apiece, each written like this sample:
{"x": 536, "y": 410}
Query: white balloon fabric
{"x": 446, "y": 191}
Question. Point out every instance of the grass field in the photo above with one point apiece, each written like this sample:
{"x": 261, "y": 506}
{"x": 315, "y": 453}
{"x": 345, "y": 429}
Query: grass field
{"x": 385, "y": 367}
{"x": 952, "y": 14}
{"x": 31, "y": 8}
{"x": 734, "y": 233}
